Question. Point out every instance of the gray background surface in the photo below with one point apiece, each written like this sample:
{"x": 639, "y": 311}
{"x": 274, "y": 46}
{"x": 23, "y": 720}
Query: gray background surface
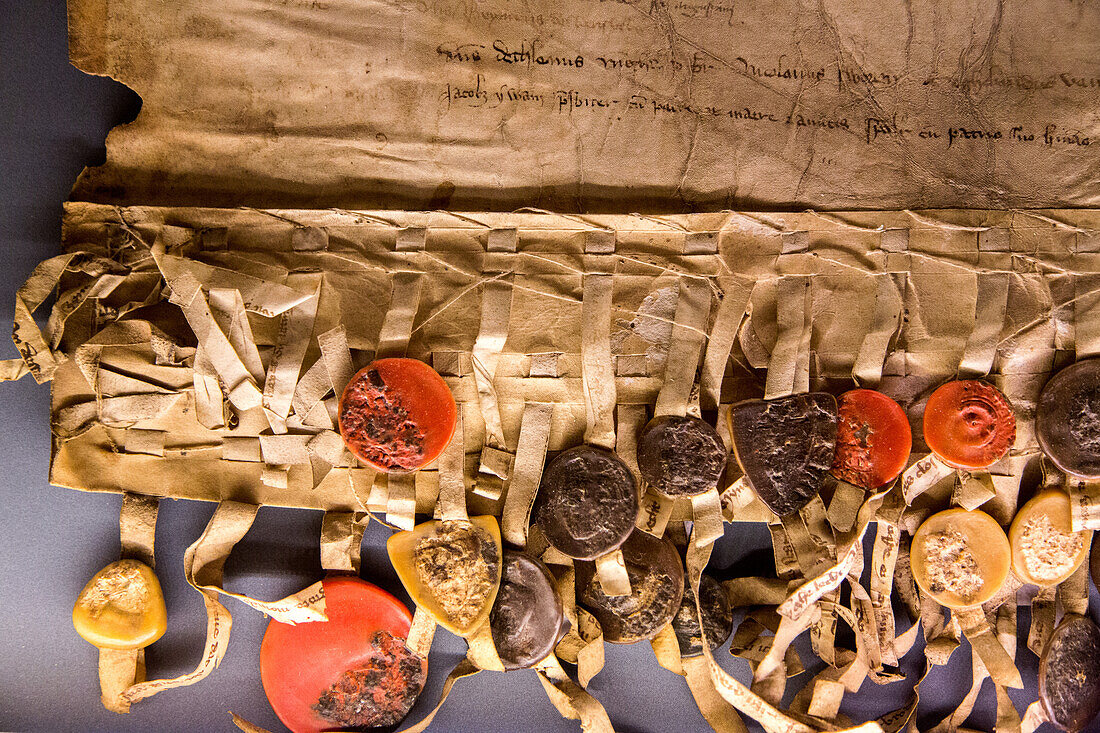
{"x": 55, "y": 119}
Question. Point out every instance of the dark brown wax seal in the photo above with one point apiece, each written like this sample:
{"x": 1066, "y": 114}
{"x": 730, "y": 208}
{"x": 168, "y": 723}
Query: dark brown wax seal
{"x": 681, "y": 456}
{"x": 656, "y": 589}
{"x": 527, "y": 619}
{"x": 587, "y": 502}
{"x": 1067, "y": 419}
{"x": 785, "y": 447}
{"x": 717, "y": 618}
{"x": 1069, "y": 674}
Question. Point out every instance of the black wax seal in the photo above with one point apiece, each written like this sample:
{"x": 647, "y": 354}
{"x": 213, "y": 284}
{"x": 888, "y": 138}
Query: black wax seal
{"x": 1067, "y": 419}
{"x": 527, "y": 619}
{"x": 681, "y": 456}
{"x": 717, "y": 618}
{"x": 656, "y": 590}
{"x": 587, "y": 502}
{"x": 785, "y": 447}
{"x": 1069, "y": 674}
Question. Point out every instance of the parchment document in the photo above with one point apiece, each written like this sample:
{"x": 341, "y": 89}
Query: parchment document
{"x": 614, "y": 105}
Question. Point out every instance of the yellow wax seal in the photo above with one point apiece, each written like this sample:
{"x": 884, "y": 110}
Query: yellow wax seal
{"x": 1045, "y": 549}
{"x": 961, "y": 558}
{"x": 121, "y": 607}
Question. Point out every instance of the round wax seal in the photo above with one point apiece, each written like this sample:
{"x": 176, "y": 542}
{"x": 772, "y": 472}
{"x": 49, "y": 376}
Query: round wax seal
{"x": 1067, "y": 419}
{"x": 717, "y": 618}
{"x": 961, "y": 558}
{"x": 1069, "y": 674}
{"x": 1045, "y": 549}
{"x": 353, "y": 670}
{"x": 397, "y": 415}
{"x": 121, "y": 607}
{"x": 587, "y": 502}
{"x": 873, "y": 439}
{"x": 969, "y": 424}
{"x": 681, "y": 456}
{"x": 785, "y": 447}
{"x": 527, "y": 619}
{"x": 656, "y": 590}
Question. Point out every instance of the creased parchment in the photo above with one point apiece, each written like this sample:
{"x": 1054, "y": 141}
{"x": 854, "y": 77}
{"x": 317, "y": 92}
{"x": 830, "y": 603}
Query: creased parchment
{"x": 582, "y": 105}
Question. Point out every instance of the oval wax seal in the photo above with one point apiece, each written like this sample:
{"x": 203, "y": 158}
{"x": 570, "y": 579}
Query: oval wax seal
{"x": 527, "y": 619}
{"x": 587, "y": 502}
{"x": 1067, "y": 419}
{"x": 351, "y": 671}
{"x": 960, "y": 558}
{"x": 717, "y": 618}
{"x": 681, "y": 456}
{"x": 785, "y": 447}
{"x": 969, "y": 424}
{"x": 397, "y": 415}
{"x": 1069, "y": 674}
{"x": 873, "y": 439}
{"x": 656, "y": 590}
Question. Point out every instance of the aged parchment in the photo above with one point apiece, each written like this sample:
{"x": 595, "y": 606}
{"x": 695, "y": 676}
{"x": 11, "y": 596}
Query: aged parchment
{"x": 609, "y": 105}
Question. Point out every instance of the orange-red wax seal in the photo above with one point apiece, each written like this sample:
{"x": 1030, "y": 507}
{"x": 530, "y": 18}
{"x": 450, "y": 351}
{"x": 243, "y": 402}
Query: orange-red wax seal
{"x": 873, "y": 439}
{"x": 350, "y": 671}
{"x": 397, "y": 415}
{"x": 969, "y": 424}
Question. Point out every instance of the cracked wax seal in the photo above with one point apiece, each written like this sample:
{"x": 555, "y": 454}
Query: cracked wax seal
{"x": 121, "y": 607}
{"x": 1045, "y": 549}
{"x": 587, "y": 502}
{"x": 785, "y": 447}
{"x": 717, "y": 618}
{"x": 527, "y": 619}
{"x": 451, "y": 569}
{"x": 961, "y": 558}
{"x": 656, "y": 590}
{"x": 351, "y": 671}
{"x": 873, "y": 439}
{"x": 1069, "y": 674}
{"x": 1067, "y": 419}
{"x": 969, "y": 424}
{"x": 397, "y": 415}
{"x": 681, "y": 456}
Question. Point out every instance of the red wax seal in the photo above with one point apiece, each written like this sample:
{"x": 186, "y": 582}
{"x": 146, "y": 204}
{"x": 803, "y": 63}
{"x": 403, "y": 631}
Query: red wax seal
{"x": 348, "y": 672}
{"x": 397, "y": 415}
{"x": 969, "y": 424}
{"x": 873, "y": 439}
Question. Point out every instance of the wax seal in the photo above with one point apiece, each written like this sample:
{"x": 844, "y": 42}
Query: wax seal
{"x": 527, "y": 619}
{"x": 351, "y": 671}
{"x": 785, "y": 447}
{"x": 1069, "y": 674}
{"x": 397, "y": 415}
{"x": 121, "y": 607}
{"x": 717, "y": 618}
{"x": 969, "y": 424}
{"x": 873, "y": 439}
{"x": 681, "y": 456}
{"x": 656, "y": 590}
{"x": 960, "y": 558}
{"x": 1067, "y": 419}
{"x": 587, "y": 502}
{"x": 1045, "y": 549}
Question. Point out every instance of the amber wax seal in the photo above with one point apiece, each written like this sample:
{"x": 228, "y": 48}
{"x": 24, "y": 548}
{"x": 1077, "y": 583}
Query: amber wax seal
{"x": 397, "y": 415}
{"x": 351, "y": 671}
{"x": 587, "y": 502}
{"x": 527, "y": 619}
{"x": 1045, "y": 549}
{"x": 785, "y": 447}
{"x": 681, "y": 456}
{"x": 1067, "y": 419}
{"x": 656, "y": 590}
{"x": 961, "y": 558}
{"x": 873, "y": 439}
{"x": 1069, "y": 674}
{"x": 121, "y": 607}
{"x": 717, "y": 618}
{"x": 969, "y": 424}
